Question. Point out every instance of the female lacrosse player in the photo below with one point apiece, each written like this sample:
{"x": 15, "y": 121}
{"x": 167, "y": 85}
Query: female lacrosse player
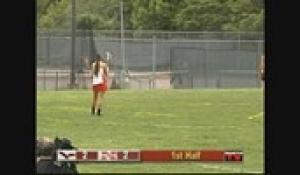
{"x": 263, "y": 67}
{"x": 99, "y": 81}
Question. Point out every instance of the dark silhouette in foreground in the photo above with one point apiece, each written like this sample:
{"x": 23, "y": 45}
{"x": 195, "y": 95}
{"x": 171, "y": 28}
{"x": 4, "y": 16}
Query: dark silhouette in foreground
{"x": 46, "y": 157}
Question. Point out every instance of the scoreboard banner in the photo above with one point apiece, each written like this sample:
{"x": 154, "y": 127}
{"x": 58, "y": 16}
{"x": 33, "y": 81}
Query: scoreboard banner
{"x": 158, "y": 156}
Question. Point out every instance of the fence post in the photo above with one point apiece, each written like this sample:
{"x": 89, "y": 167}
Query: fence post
{"x": 56, "y": 81}
{"x": 150, "y": 83}
{"x": 76, "y": 77}
{"x": 122, "y": 46}
{"x": 192, "y": 80}
{"x": 219, "y": 80}
{"x": 84, "y": 79}
{"x": 258, "y": 63}
{"x": 239, "y": 35}
{"x": 48, "y": 50}
{"x": 44, "y": 78}
{"x": 153, "y": 61}
{"x": 205, "y": 70}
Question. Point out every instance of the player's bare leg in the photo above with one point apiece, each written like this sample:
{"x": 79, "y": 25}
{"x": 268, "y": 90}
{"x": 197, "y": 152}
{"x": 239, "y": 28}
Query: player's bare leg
{"x": 95, "y": 97}
{"x": 99, "y": 103}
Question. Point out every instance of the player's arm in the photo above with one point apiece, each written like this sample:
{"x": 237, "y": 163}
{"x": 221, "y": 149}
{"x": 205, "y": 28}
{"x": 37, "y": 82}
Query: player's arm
{"x": 107, "y": 70}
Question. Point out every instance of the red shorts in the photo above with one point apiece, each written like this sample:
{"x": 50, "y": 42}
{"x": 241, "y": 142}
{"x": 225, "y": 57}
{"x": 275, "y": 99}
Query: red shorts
{"x": 100, "y": 87}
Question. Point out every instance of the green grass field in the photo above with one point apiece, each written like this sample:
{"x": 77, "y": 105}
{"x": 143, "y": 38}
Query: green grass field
{"x": 159, "y": 119}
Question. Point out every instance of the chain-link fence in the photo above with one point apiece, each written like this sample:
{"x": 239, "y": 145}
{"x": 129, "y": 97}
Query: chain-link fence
{"x": 153, "y": 59}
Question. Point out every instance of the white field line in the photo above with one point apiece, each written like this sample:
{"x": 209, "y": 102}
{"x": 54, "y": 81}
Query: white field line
{"x": 167, "y": 126}
{"x": 258, "y": 115}
{"x": 222, "y": 168}
{"x": 193, "y": 126}
{"x": 221, "y": 104}
{"x": 233, "y": 170}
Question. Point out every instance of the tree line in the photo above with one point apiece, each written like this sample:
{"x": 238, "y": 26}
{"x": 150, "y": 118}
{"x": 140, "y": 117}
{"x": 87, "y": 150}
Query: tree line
{"x": 171, "y": 15}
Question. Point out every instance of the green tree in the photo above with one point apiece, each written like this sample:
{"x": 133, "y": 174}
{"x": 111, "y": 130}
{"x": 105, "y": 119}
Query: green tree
{"x": 204, "y": 15}
{"x": 245, "y": 15}
{"x": 43, "y": 5}
{"x": 190, "y": 15}
{"x": 152, "y": 15}
{"x": 104, "y": 12}
{"x": 55, "y": 14}
{"x": 88, "y": 22}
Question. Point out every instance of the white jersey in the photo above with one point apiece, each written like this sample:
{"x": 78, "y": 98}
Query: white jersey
{"x": 98, "y": 79}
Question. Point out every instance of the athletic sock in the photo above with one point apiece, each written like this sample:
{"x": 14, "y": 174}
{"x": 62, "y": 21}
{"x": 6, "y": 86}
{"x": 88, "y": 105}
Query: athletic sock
{"x": 99, "y": 111}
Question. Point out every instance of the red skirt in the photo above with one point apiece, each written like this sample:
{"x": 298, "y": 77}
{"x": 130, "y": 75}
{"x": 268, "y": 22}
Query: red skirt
{"x": 100, "y": 87}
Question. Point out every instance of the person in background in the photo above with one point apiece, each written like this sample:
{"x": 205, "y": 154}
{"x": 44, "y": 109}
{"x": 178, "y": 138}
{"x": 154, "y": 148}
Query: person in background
{"x": 262, "y": 69}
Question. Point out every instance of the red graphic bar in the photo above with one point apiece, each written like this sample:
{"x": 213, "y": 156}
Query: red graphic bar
{"x": 150, "y": 155}
{"x": 212, "y": 155}
{"x": 181, "y": 155}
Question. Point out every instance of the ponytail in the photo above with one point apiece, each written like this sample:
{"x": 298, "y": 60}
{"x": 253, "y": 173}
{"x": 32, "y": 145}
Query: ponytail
{"x": 97, "y": 66}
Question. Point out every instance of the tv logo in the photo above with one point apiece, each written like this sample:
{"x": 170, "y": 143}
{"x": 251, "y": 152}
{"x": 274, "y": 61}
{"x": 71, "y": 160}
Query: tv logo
{"x": 66, "y": 155}
{"x": 234, "y": 156}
